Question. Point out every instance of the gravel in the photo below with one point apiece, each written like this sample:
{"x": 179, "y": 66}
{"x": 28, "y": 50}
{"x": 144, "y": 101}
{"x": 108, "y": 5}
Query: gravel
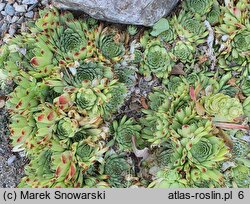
{"x": 11, "y": 164}
{"x": 13, "y": 13}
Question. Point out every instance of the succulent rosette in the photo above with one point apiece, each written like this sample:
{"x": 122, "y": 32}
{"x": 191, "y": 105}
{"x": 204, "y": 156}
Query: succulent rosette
{"x": 235, "y": 17}
{"x": 160, "y": 118}
{"x": 118, "y": 170}
{"x": 110, "y": 48}
{"x": 168, "y": 35}
{"x": 240, "y": 176}
{"x": 123, "y": 131}
{"x": 156, "y": 60}
{"x": 213, "y": 16}
{"x": 26, "y": 95}
{"x": 132, "y": 29}
{"x": 66, "y": 36}
{"x": 168, "y": 179}
{"x": 189, "y": 28}
{"x": 66, "y": 128}
{"x": 22, "y": 129}
{"x": 97, "y": 106}
{"x": 200, "y": 7}
{"x": 241, "y": 44}
{"x": 86, "y": 99}
{"x": 183, "y": 51}
{"x": 201, "y": 150}
{"x": 223, "y": 107}
{"x": 76, "y": 73}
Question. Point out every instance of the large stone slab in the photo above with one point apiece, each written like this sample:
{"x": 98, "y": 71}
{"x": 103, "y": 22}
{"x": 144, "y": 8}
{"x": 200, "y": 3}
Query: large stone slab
{"x": 138, "y": 12}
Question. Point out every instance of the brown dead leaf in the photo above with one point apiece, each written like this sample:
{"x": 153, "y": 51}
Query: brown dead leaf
{"x": 177, "y": 69}
{"x": 232, "y": 81}
{"x": 241, "y": 96}
{"x": 199, "y": 108}
{"x": 228, "y": 141}
{"x": 143, "y": 102}
{"x": 202, "y": 59}
{"x": 197, "y": 90}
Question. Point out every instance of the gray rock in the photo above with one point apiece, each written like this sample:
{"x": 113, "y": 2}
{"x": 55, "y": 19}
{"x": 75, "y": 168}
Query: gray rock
{"x": 9, "y": 10}
{"x": 20, "y": 20}
{"x": 20, "y": 8}
{"x": 8, "y": 18}
{"x": 12, "y": 29}
{"x": 138, "y": 12}
{"x": 30, "y": 14}
{"x": 3, "y": 13}
{"x": 14, "y": 19}
{"x": 32, "y": 7}
{"x": 2, "y": 5}
{"x": 11, "y": 160}
{"x": 44, "y": 2}
{"x": 4, "y": 27}
{"x": 29, "y": 2}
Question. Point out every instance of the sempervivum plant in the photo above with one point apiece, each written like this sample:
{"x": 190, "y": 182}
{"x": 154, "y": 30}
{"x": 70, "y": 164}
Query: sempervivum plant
{"x": 184, "y": 51}
{"x": 241, "y": 44}
{"x": 213, "y": 16}
{"x": 76, "y": 89}
{"x": 26, "y": 95}
{"x": 117, "y": 169}
{"x": 235, "y": 17}
{"x": 132, "y": 29}
{"x": 201, "y": 151}
{"x": 66, "y": 36}
{"x": 75, "y": 74}
{"x": 240, "y": 176}
{"x": 156, "y": 60}
{"x": 200, "y": 7}
{"x": 169, "y": 179}
{"x": 110, "y": 44}
{"x": 190, "y": 28}
{"x": 123, "y": 131}
{"x": 223, "y": 107}
{"x": 97, "y": 97}
{"x": 68, "y": 157}
{"x": 234, "y": 36}
{"x": 58, "y": 106}
{"x": 161, "y": 113}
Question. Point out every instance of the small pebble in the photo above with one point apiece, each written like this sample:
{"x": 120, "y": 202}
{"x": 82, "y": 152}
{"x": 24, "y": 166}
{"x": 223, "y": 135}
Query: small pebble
{"x": 3, "y": 13}
{"x": 20, "y": 8}
{"x": 12, "y": 30}
{"x": 3, "y": 27}
{"x": 2, "y": 5}
{"x": 8, "y": 18}
{"x": 45, "y": 2}
{"x": 32, "y": 7}
{"x": 14, "y": 19}
{"x": 9, "y": 10}
{"x": 148, "y": 78}
{"x": 224, "y": 37}
{"x": 2, "y": 151}
{"x": 30, "y": 1}
{"x": 20, "y": 20}
{"x": 11, "y": 160}
{"x": 11, "y": 1}
{"x": 30, "y": 14}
